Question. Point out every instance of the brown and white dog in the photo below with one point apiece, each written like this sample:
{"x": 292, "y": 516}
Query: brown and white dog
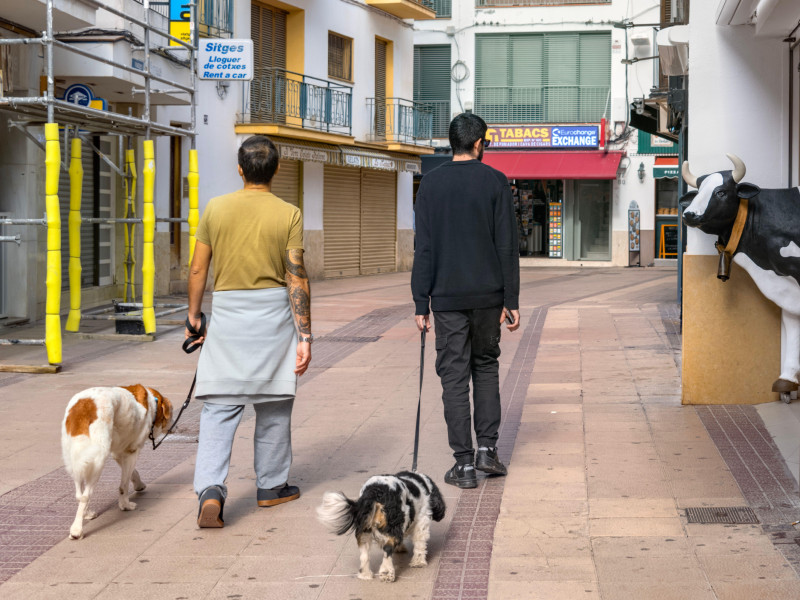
{"x": 105, "y": 421}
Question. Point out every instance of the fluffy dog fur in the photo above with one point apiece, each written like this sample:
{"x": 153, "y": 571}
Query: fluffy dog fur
{"x": 389, "y": 508}
{"x": 105, "y": 421}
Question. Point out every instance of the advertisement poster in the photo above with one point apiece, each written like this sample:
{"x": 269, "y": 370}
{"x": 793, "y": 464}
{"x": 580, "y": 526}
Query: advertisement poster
{"x": 544, "y": 136}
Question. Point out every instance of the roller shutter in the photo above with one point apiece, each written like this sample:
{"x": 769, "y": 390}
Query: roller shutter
{"x": 380, "y": 88}
{"x": 268, "y": 87}
{"x": 88, "y": 232}
{"x": 378, "y": 221}
{"x": 341, "y": 217}
{"x": 286, "y": 184}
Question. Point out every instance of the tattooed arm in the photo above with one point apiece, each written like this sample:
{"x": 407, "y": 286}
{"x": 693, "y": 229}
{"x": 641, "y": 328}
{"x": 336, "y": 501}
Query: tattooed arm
{"x": 300, "y": 299}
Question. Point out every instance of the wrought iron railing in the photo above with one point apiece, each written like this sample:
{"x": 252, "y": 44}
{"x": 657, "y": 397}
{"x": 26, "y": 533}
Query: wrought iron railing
{"x": 400, "y": 120}
{"x": 280, "y": 96}
{"x": 215, "y": 18}
{"x": 482, "y": 3}
{"x": 440, "y": 116}
{"x": 545, "y": 104}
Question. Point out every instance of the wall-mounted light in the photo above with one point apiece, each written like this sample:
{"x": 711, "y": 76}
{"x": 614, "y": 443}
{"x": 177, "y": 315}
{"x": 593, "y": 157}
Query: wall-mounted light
{"x": 640, "y": 172}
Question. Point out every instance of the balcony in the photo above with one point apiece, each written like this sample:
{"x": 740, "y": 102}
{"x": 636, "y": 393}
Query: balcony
{"x": 399, "y": 122}
{"x": 419, "y": 10}
{"x": 294, "y": 100}
{"x": 515, "y": 3}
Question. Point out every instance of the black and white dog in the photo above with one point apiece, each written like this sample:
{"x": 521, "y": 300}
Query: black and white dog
{"x": 389, "y": 508}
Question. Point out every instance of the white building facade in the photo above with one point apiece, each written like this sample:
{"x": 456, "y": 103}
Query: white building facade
{"x": 550, "y": 79}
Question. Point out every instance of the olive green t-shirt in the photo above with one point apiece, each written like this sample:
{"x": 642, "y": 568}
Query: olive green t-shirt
{"x": 249, "y": 232}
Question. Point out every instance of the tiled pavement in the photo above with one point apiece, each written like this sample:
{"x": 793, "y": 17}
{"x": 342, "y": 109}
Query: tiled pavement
{"x": 603, "y": 462}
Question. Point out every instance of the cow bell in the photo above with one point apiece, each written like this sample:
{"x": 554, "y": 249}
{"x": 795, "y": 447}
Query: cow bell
{"x": 724, "y": 268}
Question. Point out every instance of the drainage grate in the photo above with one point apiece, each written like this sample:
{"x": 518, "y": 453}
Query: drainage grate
{"x": 721, "y": 514}
{"x": 350, "y": 339}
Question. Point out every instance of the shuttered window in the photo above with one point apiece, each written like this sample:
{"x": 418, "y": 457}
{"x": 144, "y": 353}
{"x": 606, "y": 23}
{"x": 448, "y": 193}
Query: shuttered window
{"x": 267, "y": 89}
{"x": 341, "y": 220}
{"x": 340, "y": 57}
{"x": 443, "y": 8}
{"x": 542, "y": 78}
{"x": 380, "y": 88}
{"x": 432, "y": 84}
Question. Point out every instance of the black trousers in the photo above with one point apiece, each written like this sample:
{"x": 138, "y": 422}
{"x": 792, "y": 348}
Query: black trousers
{"x": 467, "y": 348}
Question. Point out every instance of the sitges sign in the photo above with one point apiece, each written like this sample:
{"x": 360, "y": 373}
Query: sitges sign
{"x": 543, "y": 136}
{"x": 225, "y": 59}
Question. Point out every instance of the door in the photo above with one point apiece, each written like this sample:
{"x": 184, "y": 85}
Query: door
{"x": 268, "y": 87}
{"x": 378, "y": 221}
{"x": 341, "y": 220}
{"x": 592, "y": 220}
{"x": 286, "y": 184}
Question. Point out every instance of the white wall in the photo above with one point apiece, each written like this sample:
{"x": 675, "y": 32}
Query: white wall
{"x": 738, "y": 103}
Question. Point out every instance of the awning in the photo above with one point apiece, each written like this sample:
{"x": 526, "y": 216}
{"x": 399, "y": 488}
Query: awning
{"x": 666, "y": 167}
{"x": 555, "y": 165}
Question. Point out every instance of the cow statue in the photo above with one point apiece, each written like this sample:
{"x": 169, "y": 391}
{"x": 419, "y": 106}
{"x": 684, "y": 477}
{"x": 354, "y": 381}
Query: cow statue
{"x": 760, "y": 231}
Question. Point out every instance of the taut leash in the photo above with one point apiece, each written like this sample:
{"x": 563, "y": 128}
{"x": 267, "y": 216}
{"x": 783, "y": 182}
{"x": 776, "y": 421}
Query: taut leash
{"x": 419, "y": 402}
{"x": 188, "y": 346}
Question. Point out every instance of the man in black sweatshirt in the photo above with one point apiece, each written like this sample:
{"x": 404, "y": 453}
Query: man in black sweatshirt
{"x": 466, "y": 269}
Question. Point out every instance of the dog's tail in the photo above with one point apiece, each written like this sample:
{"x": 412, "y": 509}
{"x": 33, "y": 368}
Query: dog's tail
{"x": 337, "y": 512}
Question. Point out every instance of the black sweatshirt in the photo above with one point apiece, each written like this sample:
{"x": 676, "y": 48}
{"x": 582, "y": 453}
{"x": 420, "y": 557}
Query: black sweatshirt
{"x": 467, "y": 253}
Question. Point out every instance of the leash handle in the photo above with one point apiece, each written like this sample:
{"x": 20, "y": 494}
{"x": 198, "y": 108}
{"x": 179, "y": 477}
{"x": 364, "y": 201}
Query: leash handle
{"x": 419, "y": 402}
{"x": 189, "y": 345}
{"x": 178, "y": 418}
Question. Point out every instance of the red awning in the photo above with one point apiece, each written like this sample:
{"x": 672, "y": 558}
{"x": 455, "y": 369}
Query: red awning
{"x": 555, "y": 165}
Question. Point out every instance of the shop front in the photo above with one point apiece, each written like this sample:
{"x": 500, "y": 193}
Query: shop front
{"x": 561, "y": 180}
{"x": 665, "y": 174}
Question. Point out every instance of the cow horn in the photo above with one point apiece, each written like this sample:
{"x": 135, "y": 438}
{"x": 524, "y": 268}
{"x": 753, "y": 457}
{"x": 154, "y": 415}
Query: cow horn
{"x": 738, "y": 167}
{"x": 687, "y": 175}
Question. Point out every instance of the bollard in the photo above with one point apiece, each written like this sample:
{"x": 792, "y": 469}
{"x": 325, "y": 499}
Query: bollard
{"x": 148, "y": 236}
{"x": 52, "y": 163}
{"x": 194, "y": 215}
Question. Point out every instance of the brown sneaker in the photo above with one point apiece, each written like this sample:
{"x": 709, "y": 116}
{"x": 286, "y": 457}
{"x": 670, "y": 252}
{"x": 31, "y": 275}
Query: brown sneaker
{"x": 287, "y": 493}
{"x": 211, "y": 503}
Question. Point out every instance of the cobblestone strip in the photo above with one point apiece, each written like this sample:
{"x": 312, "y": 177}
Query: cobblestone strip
{"x": 467, "y": 552}
{"x": 756, "y": 464}
{"x": 36, "y": 516}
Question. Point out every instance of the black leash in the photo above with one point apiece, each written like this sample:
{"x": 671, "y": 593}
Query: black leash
{"x": 419, "y": 402}
{"x": 188, "y": 346}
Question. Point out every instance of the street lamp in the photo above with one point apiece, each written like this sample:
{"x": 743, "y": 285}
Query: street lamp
{"x": 640, "y": 172}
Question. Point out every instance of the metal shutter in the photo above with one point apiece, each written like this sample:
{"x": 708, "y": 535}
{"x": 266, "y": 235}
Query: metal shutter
{"x": 341, "y": 220}
{"x": 526, "y": 78}
{"x": 492, "y": 78}
{"x": 380, "y": 88}
{"x": 286, "y": 184}
{"x": 432, "y": 84}
{"x": 87, "y": 211}
{"x": 378, "y": 221}
{"x": 561, "y": 95}
{"x": 595, "y": 76}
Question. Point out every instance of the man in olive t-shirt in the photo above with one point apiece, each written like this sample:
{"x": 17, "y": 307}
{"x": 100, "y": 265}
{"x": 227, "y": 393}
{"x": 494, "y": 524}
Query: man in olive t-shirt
{"x": 261, "y": 311}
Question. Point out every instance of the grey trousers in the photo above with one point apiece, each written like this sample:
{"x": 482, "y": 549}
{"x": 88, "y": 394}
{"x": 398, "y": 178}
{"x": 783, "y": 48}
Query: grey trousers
{"x": 272, "y": 444}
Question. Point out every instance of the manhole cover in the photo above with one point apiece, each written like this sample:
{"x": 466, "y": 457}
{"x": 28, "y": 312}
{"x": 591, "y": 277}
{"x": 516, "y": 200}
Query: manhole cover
{"x": 350, "y": 339}
{"x": 721, "y": 514}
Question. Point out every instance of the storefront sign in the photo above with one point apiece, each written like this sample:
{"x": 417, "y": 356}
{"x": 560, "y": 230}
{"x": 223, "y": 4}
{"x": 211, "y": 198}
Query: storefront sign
{"x": 412, "y": 167}
{"x": 382, "y": 163}
{"x": 82, "y": 95}
{"x": 544, "y": 136}
{"x": 308, "y": 154}
{"x": 225, "y": 59}
{"x": 180, "y": 17}
{"x": 353, "y": 161}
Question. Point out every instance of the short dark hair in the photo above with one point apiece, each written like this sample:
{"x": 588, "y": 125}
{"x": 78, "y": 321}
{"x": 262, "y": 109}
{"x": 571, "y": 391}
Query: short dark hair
{"x": 258, "y": 157}
{"x": 465, "y": 130}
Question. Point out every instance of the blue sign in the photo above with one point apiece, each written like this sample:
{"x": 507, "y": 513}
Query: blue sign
{"x": 79, "y": 94}
{"x": 575, "y": 137}
{"x": 179, "y": 10}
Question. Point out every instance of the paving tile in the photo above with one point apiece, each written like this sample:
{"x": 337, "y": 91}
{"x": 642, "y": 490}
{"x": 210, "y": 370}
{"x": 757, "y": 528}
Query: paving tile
{"x": 657, "y": 591}
{"x": 544, "y": 590}
{"x": 601, "y": 508}
{"x": 620, "y": 526}
{"x": 12, "y": 590}
{"x": 748, "y": 566}
{"x": 49, "y": 570}
{"x": 642, "y": 546}
{"x": 749, "y": 590}
{"x": 648, "y": 569}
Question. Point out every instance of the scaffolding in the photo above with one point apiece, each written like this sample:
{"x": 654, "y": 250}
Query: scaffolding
{"x": 78, "y": 122}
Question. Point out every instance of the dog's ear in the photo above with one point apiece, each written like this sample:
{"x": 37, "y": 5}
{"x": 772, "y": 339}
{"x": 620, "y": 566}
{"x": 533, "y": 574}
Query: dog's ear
{"x": 163, "y": 409}
{"x": 437, "y": 503}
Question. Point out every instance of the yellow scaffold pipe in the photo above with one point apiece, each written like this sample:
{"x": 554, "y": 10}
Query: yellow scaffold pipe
{"x": 129, "y": 293}
{"x": 52, "y": 323}
{"x": 194, "y": 215}
{"x": 75, "y": 190}
{"x": 148, "y": 235}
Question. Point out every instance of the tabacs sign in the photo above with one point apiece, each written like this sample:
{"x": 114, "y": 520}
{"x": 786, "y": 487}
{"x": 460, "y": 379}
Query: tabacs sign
{"x": 225, "y": 59}
{"x": 544, "y": 136}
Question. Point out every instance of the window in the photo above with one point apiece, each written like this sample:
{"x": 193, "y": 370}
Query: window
{"x": 443, "y": 8}
{"x": 340, "y": 57}
{"x": 542, "y": 78}
{"x": 432, "y": 84}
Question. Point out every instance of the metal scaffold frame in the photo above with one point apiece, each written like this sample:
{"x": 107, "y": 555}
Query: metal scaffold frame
{"x": 53, "y": 113}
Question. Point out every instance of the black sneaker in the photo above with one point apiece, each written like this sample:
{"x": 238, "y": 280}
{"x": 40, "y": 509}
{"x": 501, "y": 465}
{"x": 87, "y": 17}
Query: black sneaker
{"x": 488, "y": 462}
{"x": 286, "y": 493}
{"x": 462, "y": 476}
{"x": 211, "y": 503}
